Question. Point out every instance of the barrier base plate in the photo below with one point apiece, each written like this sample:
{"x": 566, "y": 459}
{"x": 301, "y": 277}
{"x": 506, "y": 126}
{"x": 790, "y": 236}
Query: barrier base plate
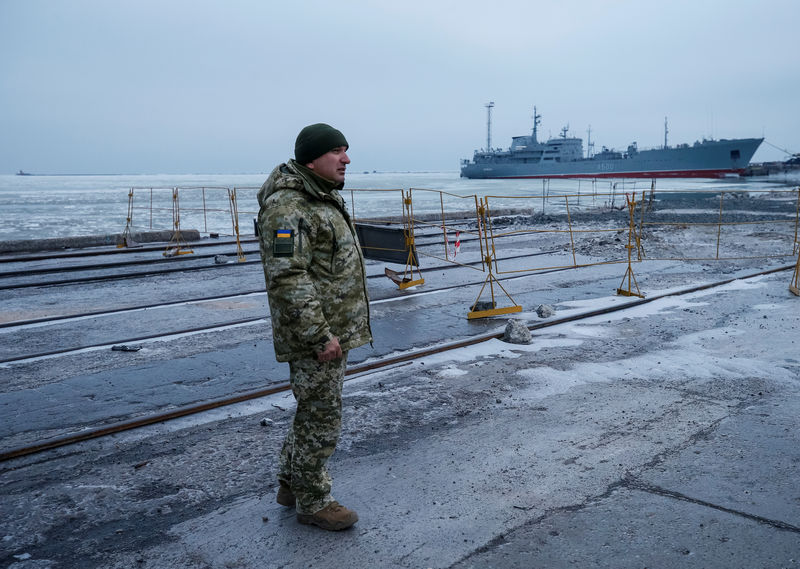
{"x": 409, "y": 284}
{"x": 493, "y": 312}
{"x": 623, "y": 292}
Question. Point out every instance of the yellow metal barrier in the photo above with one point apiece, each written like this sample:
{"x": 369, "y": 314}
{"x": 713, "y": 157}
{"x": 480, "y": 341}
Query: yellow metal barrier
{"x": 404, "y": 222}
{"x": 794, "y": 285}
{"x": 442, "y": 221}
{"x": 408, "y": 222}
{"x": 450, "y": 225}
{"x": 724, "y": 244}
{"x": 722, "y": 233}
{"x": 177, "y": 245}
{"x": 484, "y": 220}
{"x": 127, "y": 240}
{"x": 235, "y": 223}
{"x": 209, "y": 210}
{"x": 165, "y": 213}
{"x": 633, "y": 243}
{"x": 552, "y": 249}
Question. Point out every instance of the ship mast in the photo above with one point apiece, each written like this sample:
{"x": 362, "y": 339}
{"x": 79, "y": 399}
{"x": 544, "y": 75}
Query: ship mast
{"x": 489, "y": 106}
{"x": 666, "y": 130}
{"x": 536, "y": 120}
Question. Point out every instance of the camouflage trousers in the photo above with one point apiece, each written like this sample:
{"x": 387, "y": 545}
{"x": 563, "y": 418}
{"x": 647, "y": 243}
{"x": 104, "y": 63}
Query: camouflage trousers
{"x": 312, "y": 437}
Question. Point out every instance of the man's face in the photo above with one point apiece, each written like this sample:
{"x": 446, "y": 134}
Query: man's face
{"x": 332, "y": 164}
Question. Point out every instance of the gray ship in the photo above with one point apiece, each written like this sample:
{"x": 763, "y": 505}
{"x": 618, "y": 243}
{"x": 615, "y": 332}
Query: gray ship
{"x": 563, "y": 157}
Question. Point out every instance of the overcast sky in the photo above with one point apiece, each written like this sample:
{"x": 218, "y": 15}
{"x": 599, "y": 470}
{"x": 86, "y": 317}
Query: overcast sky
{"x": 193, "y": 86}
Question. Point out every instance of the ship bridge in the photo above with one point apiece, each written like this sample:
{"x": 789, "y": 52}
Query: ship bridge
{"x": 563, "y": 149}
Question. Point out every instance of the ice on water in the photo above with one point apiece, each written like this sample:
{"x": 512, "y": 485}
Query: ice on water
{"x": 59, "y": 206}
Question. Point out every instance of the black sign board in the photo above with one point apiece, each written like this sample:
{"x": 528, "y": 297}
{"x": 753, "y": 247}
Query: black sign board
{"x": 385, "y": 244}
{"x": 379, "y": 243}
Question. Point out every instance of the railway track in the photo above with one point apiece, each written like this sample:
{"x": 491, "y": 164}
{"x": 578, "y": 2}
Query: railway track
{"x": 197, "y": 299}
{"x": 126, "y": 269}
{"x": 356, "y": 370}
{"x": 216, "y": 326}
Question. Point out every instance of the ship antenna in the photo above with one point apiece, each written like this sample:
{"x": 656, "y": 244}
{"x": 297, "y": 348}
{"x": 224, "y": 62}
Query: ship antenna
{"x": 536, "y": 120}
{"x": 489, "y": 106}
{"x": 666, "y": 130}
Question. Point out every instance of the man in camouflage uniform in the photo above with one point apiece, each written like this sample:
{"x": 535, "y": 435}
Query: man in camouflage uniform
{"x": 316, "y": 283}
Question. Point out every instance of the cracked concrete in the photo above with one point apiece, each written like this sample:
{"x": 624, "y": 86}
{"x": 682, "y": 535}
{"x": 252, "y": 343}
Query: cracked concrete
{"x": 640, "y": 439}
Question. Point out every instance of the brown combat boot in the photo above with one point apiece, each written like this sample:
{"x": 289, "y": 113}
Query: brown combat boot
{"x": 333, "y": 517}
{"x": 285, "y": 495}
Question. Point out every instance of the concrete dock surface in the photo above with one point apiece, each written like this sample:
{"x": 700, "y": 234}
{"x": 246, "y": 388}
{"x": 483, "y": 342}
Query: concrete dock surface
{"x": 661, "y": 436}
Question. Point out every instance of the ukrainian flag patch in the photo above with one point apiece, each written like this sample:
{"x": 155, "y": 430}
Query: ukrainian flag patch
{"x": 283, "y": 243}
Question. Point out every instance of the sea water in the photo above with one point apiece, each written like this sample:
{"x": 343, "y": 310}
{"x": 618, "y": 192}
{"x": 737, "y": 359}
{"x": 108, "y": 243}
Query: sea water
{"x": 35, "y": 207}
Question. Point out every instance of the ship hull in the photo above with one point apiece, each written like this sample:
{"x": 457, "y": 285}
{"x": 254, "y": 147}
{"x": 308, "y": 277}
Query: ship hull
{"x": 622, "y": 174}
{"x": 709, "y": 159}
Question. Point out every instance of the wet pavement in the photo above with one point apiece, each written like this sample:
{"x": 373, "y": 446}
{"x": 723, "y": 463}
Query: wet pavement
{"x": 661, "y": 436}
{"x": 62, "y": 394}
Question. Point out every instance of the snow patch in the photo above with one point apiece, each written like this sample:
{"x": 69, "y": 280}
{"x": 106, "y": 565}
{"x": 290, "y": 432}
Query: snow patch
{"x": 451, "y": 371}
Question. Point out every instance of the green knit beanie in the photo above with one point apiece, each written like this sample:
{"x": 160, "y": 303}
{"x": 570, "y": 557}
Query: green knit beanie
{"x": 315, "y": 140}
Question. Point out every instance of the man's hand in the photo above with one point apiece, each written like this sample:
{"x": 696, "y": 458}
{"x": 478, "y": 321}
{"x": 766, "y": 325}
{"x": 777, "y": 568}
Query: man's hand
{"x": 331, "y": 351}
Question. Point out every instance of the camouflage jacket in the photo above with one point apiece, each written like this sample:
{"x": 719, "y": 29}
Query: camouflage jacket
{"x": 313, "y": 265}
